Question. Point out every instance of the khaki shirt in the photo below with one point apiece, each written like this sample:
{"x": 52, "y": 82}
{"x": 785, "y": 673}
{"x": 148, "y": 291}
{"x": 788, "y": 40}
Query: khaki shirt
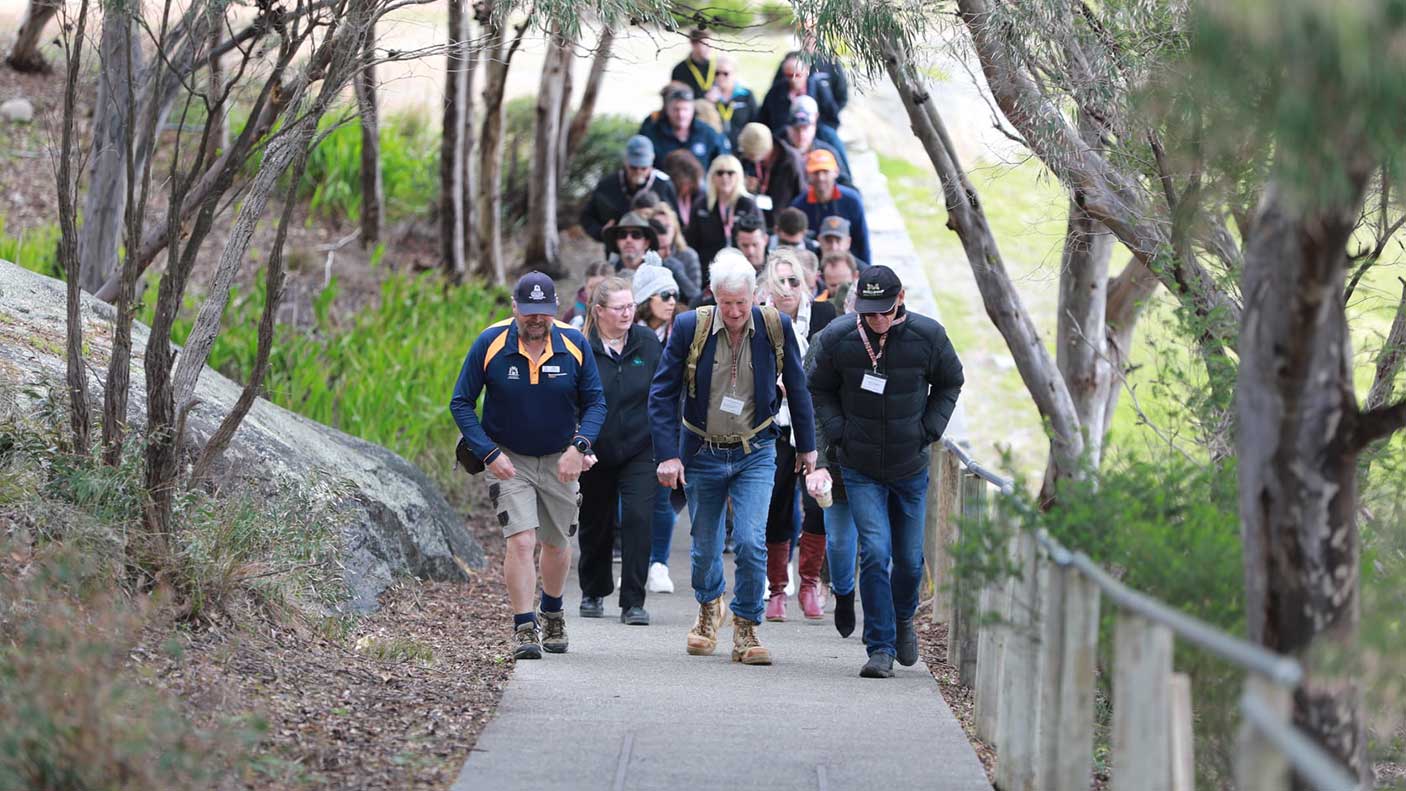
{"x": 725, "y": 360}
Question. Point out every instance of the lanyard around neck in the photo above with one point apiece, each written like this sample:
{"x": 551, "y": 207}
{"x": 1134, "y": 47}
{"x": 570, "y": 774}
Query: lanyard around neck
{"x": 704, "y": 83}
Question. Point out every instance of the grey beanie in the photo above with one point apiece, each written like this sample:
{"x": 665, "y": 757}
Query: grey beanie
{"x": 650, "y": 280}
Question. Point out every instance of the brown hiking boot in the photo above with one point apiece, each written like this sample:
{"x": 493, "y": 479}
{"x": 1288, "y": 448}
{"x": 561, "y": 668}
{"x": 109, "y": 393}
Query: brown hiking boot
{"x": 745, "y": 646}
{"x": 703, "y": 637}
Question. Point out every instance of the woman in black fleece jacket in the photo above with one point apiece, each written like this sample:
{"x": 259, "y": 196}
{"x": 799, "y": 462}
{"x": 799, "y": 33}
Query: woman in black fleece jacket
{"x": 626, "y": 356}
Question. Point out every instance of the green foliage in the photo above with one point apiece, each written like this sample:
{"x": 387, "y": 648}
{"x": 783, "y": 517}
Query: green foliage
{"x": 779, "y": 13}
{"x": 409, "y": 167}
{"x": 385, "y": 377}
{"x": 599, "y": 154}
{"x": 36, "y": 250}
{"x": 725, "y": 14}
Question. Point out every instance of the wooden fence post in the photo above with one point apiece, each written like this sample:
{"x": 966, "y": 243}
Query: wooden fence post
{"x": 932, "y": 519}
{"x": 1182, "y": 747}
{"x": 1069, "y": 647}
{"x": 1018, "y": 726}
{"x": 991, "y": 645}
{"x": 1142, "y": 663}
{"x": 944, "y": 526}
{"x": 1259, "y": 766}
{"x": 962, "y": 635}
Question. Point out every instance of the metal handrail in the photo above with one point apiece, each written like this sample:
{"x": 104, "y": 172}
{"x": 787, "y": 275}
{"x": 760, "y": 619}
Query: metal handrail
{"x": 1312, "y": 763}
{"x": 1321, "y": 770}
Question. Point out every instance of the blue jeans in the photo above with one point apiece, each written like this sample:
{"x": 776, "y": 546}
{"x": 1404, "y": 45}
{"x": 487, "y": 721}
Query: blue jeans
{"x": 841, "y": 546}
{"x": 662, "y": 537}
{"x": 714, "y": 475}
{"x": 889, "y": 520}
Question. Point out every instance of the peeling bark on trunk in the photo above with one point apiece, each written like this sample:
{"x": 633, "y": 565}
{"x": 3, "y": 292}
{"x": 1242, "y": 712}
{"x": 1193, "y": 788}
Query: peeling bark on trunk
{"x": 1297, "y": 458}
{"x": 104, "y": 207}
{"x": 500, "y": 51}
{"x": 568, "y": 58}
{"x": 542, "y": 241}
{"x": 966, "y": 217}
{"x": 581, "y": 121}
{"x": 1127, "y": 294}
{"x": 372, "y": 199}
{"x": 68, "y": 247}
{"x": 451, "y": 149}
{"x": 25, "y": 55}
{"x": 1081, "y": 337}
{"x": 468, "y": 135}
{"x": 1390, "y": 358}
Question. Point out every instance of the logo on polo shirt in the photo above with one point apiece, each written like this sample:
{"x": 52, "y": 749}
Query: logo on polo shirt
{"x": 537, "y": 293}
{"x": 699, "y": 150}
{"x": 512, "y": 372}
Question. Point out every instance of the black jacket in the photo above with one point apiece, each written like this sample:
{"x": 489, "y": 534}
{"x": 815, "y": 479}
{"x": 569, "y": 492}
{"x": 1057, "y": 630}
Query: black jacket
{"x": 885, "y": 437}
{"x": 706, "y": 233}
{"x": 743, "y": 107}
{"x": 626, "y": 380}
{"x": 610, "y": 200}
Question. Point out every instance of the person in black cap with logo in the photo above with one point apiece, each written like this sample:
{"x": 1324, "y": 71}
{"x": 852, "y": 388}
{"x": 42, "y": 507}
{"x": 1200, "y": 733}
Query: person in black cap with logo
{"x": 543, "y": 407}
{"x": 615, "y": 192}
{"x": 884, "y": 386}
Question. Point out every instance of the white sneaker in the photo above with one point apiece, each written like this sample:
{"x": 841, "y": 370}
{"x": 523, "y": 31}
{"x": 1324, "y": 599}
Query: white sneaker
{"x": 659, "y": 581}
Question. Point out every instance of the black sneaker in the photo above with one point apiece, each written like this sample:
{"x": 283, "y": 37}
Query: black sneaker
{"x": 553, "y": 631}
{"x": 634, "y": 616}
{"x": 592, "y": 607}
{"x": 880, "y": 665}
{"x": 526, "y": 645}
{"x": 907, "y": 643}
{"x": 844, "y": 613}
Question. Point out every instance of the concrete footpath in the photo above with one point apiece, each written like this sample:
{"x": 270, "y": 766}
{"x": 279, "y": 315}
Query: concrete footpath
{"x": 627, "y": 708}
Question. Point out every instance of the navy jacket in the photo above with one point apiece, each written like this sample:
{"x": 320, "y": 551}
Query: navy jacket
{"x": 844, "y": 203}
{"x": 703, "y": 141}
{"x": 530, "y": 409}
{"x": 668, "y": 389}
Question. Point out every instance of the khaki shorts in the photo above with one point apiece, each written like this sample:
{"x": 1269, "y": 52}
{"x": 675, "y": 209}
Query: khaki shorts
{"x": 534, "y": 499}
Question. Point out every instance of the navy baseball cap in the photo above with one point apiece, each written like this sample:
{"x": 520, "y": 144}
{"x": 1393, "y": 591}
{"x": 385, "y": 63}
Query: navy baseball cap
{"x": 535, "y": 295}
{"x": 878, "y": 290}
{"x": 639, "y": 152}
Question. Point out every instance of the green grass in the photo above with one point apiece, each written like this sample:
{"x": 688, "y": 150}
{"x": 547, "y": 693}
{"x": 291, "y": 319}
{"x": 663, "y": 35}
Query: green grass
{"x": 36, "y": 250}
{"x": 409, "y": 168}
{"x": 385, "y": 375}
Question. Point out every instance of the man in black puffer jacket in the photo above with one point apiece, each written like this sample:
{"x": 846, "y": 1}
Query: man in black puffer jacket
{"x": 884, "y": 386}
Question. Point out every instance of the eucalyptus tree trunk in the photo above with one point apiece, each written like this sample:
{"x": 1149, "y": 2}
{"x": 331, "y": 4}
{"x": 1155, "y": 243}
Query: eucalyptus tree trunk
{"x": 25, "y": 55}
{"x": 68, "y": 245}
{"x": 499, "y": 50}
{"x": 105, "y": 204}
{"x": 581, "y": 120}
{"x": 372, "y": 197}
{"x": 452, "y": 153}
{"x": 1299, "y": 437}
{"x": 543, "y": 243}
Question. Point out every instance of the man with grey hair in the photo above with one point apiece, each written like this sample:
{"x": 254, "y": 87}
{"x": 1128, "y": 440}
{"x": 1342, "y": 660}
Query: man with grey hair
{"x": 722, "y": 363}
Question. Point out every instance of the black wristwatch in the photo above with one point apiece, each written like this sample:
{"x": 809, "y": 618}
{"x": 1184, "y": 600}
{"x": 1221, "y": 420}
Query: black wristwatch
{"x": 581, "y": 444}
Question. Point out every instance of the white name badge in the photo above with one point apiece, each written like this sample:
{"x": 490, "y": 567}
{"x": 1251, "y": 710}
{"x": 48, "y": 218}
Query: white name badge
{"x": 763, "y": 202}
{"x": 732, "y": 406}
{"x": 551, "y": 369}
{"x": 873, "y": 383}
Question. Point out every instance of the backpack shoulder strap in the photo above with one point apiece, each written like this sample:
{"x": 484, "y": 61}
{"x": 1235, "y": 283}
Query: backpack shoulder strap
{"x": 701, "y": 329}
{"x": 772, "y": 317}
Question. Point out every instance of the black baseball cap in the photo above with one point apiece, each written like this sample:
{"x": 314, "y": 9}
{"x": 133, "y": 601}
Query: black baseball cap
{"x": 877, "y": 290}
{"x": 535, "y": 295}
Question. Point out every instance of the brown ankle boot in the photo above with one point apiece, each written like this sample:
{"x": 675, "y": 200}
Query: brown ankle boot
{"x": 812, "y": 557}
{"x": 703, "y": 637}
{"x": 746, "y": 648}
{"x": 777, "y": 554}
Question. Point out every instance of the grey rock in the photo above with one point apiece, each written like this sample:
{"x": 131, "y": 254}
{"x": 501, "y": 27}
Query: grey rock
{"x": 20, "y": 111}
{"x": 396, "y": 522}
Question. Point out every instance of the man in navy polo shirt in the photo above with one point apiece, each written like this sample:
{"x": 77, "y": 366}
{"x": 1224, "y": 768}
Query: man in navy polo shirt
{"x": 543, "y": 406}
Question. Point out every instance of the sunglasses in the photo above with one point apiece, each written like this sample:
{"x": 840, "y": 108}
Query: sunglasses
{"x": 632, "y": 234}
{"x": 726, "y": 173}
{"x": 891, "y": 311}
{"x": 791, "y": 75}
{"x": 792, "y": 281}
{"x": 668, "y": 296}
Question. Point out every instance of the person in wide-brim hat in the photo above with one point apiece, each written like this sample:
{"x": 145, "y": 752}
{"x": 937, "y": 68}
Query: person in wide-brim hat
{"x": 631, "y": 221}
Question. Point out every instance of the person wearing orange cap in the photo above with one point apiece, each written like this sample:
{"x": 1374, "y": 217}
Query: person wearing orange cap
{"x": 826, "y": 197}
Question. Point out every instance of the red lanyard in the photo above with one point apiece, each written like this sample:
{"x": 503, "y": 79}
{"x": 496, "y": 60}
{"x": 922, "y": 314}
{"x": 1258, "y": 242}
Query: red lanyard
{"x": 864, "y": 336}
